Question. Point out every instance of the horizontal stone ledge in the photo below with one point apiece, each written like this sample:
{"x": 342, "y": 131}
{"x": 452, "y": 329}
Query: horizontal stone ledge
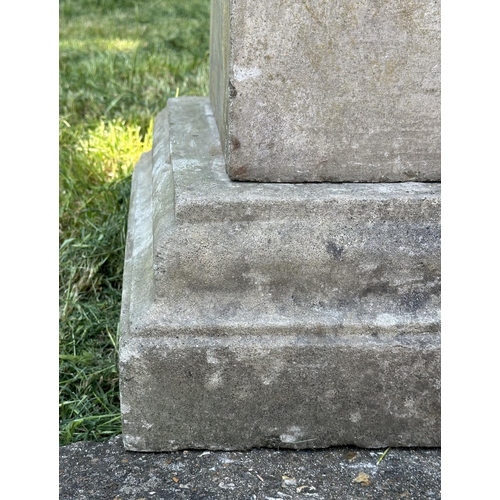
{"x": 161, "y": 320}
{"x": 134, "y": 346}
{"x": 203, "y": 191}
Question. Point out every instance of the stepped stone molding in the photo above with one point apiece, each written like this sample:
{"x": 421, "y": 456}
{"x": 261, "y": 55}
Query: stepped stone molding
{"x": 281, "y": 315}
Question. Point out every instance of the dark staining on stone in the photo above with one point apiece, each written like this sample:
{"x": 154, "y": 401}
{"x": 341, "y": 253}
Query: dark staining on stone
{"x": 239, "y": 173}
{"x": 381, "y": 288}
{"x": 235, "y": 143}
{"x": 232, "y": 90}
{"x": 334, "y": 250}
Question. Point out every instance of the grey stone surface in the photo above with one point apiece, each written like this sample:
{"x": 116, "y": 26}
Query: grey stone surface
{"x": 281, "y": 315}
{"x": 344, "y": 91}
{"x": 106, "y": 471}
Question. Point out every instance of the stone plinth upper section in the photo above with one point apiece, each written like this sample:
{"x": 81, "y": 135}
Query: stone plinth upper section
{"x": 324, "y": 90}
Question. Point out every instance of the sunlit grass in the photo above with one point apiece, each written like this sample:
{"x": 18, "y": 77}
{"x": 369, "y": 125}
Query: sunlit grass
{"x": 115, "y": 146}
{"x": 100, "y": 44}
{"x": 120, "y": 61}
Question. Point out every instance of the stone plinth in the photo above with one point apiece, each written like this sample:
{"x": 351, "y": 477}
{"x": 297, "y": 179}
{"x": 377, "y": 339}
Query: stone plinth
{"x": 344, "y": 91}
{"x": 283, "y": 315}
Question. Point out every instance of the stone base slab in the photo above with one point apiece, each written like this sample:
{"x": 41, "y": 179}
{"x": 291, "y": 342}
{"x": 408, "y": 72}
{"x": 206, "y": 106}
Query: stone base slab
{"x": 280, "y": 315}
{"x": 301, "y": 391}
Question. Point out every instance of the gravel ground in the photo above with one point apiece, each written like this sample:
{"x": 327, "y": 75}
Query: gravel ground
{"x": 96, "y": 471}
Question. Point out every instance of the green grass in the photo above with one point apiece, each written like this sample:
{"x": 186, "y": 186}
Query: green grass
{"x": 119, "y": 63}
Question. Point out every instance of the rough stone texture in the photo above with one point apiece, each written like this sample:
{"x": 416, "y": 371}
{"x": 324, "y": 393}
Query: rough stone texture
{"x": 311, "y": 90}
{"x": 279, "y": 315}
{"x": 106, "y": 471}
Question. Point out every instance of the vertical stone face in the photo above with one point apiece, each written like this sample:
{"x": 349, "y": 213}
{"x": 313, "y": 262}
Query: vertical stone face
{"x": 315, "y": 90}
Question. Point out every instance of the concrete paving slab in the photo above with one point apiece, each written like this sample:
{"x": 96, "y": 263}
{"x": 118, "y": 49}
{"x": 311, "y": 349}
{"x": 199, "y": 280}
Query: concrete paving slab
{"x": 106, "y": 471}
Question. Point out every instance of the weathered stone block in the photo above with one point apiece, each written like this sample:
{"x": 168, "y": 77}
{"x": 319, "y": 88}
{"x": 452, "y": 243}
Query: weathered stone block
{"x": 344, "y": 91}
{"x": 287, "y": 315}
